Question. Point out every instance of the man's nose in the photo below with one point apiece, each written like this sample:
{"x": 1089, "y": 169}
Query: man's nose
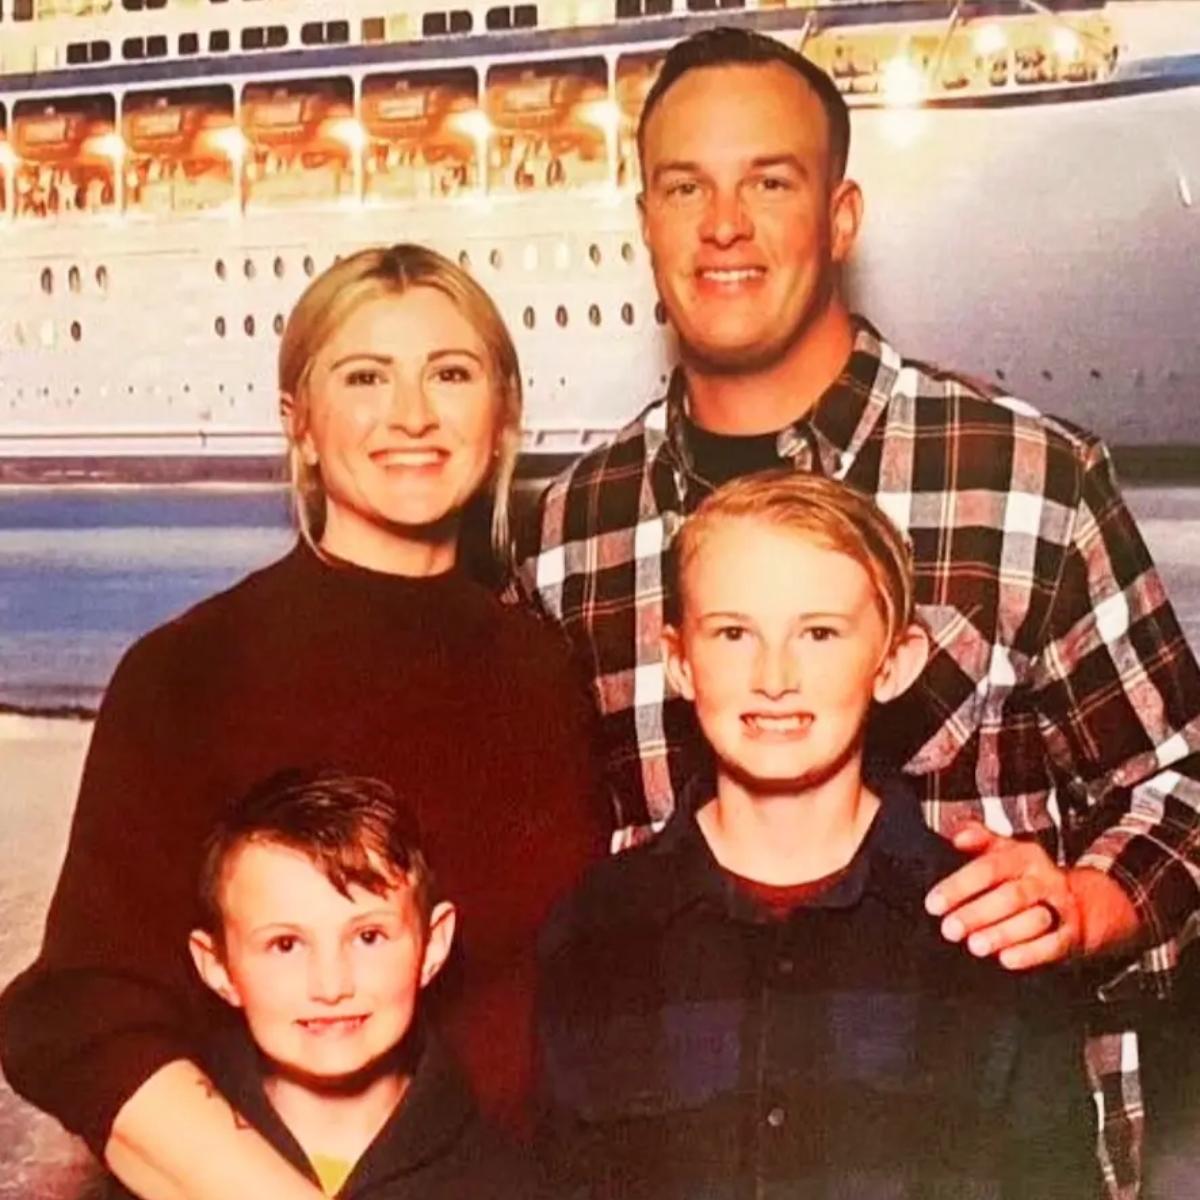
{"x": 727, "y": 219}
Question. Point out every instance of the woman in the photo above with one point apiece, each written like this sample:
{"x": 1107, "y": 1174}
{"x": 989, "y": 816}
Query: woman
{"x": 364, "y": 648}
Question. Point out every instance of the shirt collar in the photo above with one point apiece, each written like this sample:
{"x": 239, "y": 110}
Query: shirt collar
{"x": 830, "y": 435}
{"x": 898, "y": 861}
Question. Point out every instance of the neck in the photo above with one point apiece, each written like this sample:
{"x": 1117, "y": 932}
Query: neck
{"x": 788, "y": 836}
{"x": 341, "y": 1124}
{"x": 388, "y": 550}
{"x": 768, "y": 398}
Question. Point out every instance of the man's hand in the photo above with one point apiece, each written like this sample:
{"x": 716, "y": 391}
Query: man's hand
{"x": 1013, "y": 901}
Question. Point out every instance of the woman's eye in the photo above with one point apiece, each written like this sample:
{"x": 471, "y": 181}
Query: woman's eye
{"x": 822, "y": 633}
{"x": 364, "y": 377}
{"x": 453, "y": 375}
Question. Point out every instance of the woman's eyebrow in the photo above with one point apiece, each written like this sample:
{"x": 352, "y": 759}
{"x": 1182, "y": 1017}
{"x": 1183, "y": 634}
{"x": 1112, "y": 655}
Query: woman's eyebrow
{"x": 384, "y": 360}
{"x": 455, "y": 352}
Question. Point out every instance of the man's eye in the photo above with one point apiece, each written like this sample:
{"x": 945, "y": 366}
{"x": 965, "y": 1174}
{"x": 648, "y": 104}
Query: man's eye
{"x": 773, "y": 183}
{"x": 683, "y": 189}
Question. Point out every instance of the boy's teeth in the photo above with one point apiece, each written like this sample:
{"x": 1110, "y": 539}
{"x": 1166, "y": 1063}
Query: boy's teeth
{"x": 778, "y": 724}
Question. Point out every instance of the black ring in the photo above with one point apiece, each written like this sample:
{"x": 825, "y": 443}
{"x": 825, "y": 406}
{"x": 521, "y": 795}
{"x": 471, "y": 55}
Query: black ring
{"x": 1055, "y": 916}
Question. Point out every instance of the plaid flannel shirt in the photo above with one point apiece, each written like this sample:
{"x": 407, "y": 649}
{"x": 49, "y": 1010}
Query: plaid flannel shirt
{"x": 693, "y": 1045}
{"x": 1060, "y": 701}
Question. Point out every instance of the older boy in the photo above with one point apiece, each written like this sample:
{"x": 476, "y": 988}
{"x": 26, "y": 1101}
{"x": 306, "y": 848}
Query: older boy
{"x": 756, "y": 1003}
{"x": 322, "y": 928}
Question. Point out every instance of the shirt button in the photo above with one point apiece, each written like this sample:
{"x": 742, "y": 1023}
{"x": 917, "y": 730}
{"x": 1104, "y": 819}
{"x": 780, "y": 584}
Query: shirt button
{"x": 776, "y": 1117}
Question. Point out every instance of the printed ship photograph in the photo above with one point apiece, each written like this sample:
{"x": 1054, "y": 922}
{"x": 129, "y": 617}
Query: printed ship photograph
{"x": 174, "y": 172}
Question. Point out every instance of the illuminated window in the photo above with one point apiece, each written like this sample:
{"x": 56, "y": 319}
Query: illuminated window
{"x": 74, "y": 280}
{"x": 374, "y": 29}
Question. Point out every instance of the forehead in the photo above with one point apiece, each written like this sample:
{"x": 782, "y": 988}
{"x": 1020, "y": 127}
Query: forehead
{"x": 742, "y": 564}
{"x": 732, "y": 113}
{"x": 416, "y": 322}
{"x": 264, "y": 882}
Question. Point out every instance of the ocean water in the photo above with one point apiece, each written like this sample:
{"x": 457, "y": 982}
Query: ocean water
{"x": 83, "y": 572}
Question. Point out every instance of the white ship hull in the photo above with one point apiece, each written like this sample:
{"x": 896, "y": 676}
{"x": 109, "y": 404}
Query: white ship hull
{"x": 1045, "y": 239}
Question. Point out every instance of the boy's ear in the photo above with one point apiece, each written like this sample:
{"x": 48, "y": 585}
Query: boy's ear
{"x": 438, "y": 940}
{"x": 679, "y": 671}
{"x": 211, "y": 968}
{"x": 904, "y": 662}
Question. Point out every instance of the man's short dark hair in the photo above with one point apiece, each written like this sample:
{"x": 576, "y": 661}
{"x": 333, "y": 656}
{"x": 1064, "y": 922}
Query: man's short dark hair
{"x": 728, "y": 47}
{"x": 353, "y": 829}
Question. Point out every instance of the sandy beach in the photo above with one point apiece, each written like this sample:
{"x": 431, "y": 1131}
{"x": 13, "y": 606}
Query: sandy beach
{"x": 42, "y": 759}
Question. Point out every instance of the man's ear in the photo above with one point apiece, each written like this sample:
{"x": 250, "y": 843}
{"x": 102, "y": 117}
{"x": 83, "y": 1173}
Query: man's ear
{"x": 845, "y": 218}
{"x": 679, "y": 670}
{"x": 211, "y": 966}
{"x": 438, "y": 940}
{"x": 904, "y": 662}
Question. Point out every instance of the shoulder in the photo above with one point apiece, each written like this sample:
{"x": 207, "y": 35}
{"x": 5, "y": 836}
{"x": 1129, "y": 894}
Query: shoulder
{"x": 926, "y": 395}
{"x": 196, "y": 634}
{"x": 616, "y": 468}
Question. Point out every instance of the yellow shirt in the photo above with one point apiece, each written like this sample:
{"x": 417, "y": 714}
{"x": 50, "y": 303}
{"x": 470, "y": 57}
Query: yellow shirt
{"x": 332, "y": 1172}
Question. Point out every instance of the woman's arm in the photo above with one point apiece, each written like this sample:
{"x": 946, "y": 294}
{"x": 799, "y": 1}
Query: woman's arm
{"x": 178, "y": 1138}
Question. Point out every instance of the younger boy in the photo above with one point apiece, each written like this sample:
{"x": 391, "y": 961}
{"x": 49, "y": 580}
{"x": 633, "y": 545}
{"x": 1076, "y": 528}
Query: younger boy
{"x": 322, "y": 928}
{"x": 756, "y": 1003}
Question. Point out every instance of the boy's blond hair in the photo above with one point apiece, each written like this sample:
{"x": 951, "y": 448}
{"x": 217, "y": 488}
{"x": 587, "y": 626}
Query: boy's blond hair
{"x": 829, "y": 513}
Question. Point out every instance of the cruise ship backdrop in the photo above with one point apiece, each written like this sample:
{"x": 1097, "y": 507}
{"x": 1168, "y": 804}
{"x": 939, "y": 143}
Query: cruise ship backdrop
{"x": 173, "y": 171}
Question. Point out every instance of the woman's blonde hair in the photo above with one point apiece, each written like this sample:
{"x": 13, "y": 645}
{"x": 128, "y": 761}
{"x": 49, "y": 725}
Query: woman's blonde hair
{"x": 330, "y": 300}
{"x": 832, "y": 514}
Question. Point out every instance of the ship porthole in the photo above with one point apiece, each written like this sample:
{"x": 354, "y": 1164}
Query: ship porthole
{"x": 279, "y": 267}
{"x": 102, "y": 278}
{"x": 248, "y": 326}
{"x": 219, "y": 267}
{"x": 529, "y": 317}
{"x": 309, "y": 265}
{"x": 74, "y": 280}
{"x": 627, "y": 251}
{"x": 594, "y": 314}
{"x": 219, "y": 327}
{"x": 47, "y": 281}
{"x": 277, "y": 324}
{"x": 660, "y": 313}
{"x": 594, "y": 254}
{"x": 496, "y": 259}
{"x": 76, "y": 331}
{"x": 464, "y": 260}
{"x": 627, "y": 313}
{"x": 249, "y": 269}
{"x": 560, "y": 316}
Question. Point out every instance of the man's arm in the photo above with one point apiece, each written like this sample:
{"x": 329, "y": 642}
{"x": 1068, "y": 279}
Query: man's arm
{"x": 178, "y": 1138}
{"x": 1119, "y": 699}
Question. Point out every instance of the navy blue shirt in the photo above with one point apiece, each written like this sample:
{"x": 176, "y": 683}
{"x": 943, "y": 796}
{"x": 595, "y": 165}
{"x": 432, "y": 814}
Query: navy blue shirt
{"x": 694, "y": 1046}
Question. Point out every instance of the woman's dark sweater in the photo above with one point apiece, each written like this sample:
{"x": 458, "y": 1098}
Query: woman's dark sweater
{"x": 470, "y": 710}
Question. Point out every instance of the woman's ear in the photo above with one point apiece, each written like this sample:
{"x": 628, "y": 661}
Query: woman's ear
{"x": 904, "y": 662}
{"x": 438, "y": 940}
{"x": 211, "y": 966}
{"x": 679, "y": 671}
{"x": 295, "y": 428}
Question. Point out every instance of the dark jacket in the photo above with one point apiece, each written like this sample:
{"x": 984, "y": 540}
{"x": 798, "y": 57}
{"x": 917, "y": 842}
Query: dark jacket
{"x": 435, "y": 1146}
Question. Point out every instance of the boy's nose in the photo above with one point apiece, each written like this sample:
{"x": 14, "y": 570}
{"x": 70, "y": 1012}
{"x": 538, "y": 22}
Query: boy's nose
{"x": 330, "y": 977}
{"x": 778, "y": 672}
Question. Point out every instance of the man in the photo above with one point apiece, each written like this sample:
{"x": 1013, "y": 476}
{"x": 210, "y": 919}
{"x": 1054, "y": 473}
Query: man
{"x": 1054, "y": 733}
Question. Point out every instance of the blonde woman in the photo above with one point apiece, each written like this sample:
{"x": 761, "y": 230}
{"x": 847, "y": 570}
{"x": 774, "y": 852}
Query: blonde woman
{"x": 363, "y": 649}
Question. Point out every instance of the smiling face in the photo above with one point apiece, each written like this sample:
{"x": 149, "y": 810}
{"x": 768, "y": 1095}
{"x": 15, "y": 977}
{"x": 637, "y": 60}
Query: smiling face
{"x": 744, "y": 225}
{"x": 782, "y": 647}
{"x": 328, "y": 983}
{"x": 402, "y": 418}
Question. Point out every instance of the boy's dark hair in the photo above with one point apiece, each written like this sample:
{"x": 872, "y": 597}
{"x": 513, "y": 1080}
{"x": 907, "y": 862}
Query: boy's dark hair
{"x": 353, "y": 829}
{"x": 725, "y": 46}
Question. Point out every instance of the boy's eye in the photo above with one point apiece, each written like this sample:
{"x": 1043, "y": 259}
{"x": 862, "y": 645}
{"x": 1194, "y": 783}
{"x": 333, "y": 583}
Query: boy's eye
{"x": 371, "y": 937}
{"x": 822, "y": 633}
{"x": 285, "y": 943}
{"x": 731, "y": 633}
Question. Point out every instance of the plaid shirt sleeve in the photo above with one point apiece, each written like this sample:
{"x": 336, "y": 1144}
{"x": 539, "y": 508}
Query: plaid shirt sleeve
{"x": 1119, "y": 697}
